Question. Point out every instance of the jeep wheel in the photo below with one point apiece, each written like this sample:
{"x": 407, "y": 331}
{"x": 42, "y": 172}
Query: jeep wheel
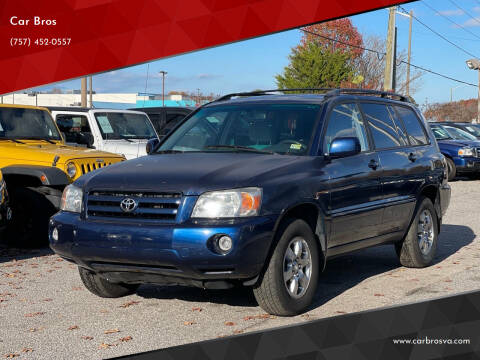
{"x": 290, "y": 280}
{"x": 418, "y": 248}
{"x": 102, "y": 287}
{"x": 451, "y": 169}
{"x": 30, "y": 215}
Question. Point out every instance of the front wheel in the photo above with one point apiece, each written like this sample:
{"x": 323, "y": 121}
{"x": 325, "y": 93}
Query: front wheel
{"x": 290, "y": 281}
{"x": 102, "y": 287}
{"x": 419, "y": 247}
{"x": 452, "y": 169}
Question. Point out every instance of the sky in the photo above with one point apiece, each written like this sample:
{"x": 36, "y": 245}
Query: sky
{"x": 252, "y": 64}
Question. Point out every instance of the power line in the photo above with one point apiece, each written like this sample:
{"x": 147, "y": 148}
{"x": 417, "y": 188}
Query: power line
{"x": 465, "y": 11}
{"x": 441, "y": 36}
{"x": 450, "y": 20}
{"x": 383, "y": 54}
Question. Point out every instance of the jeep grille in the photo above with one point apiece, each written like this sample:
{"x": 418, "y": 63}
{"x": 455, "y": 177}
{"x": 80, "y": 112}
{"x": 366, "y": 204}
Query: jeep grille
{"x": 150, "y": 206}
{"x": 88, "y": 166}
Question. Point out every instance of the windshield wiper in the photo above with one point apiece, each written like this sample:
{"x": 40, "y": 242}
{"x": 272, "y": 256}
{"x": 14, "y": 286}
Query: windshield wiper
{"x": 169, "y": 151}
{"x": 125, "y": 138}
{"x": 238, "y": 147}
{"x": 37, "y": 138}
{"x": 12, "y": 139}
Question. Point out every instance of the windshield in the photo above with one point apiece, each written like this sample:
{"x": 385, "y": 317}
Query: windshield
{"x": 440, "y": 133}
{"x": 473, "y": 129}
{"x": 268, "y": 128}
{"x": 459, "y": 134}
{"x": 117, "y": 125}
{"x": 18, "y": 123}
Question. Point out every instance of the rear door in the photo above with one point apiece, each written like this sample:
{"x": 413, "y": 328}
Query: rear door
{"x": 398, "y": 159}
{"x": 354, "y": 185}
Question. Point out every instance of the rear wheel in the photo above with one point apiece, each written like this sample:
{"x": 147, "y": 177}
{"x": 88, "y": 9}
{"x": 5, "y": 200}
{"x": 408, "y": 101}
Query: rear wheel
{"x": 452, "y": 169}
{"x": 102, "y": 287}
{"x": 31, "y": 212}
{"x": 290, "y": 281}
{"x": 419, "y": 247}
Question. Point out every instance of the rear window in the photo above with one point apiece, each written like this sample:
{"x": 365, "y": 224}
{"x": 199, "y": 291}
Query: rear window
{"x": 385, "y": 131}
{"x": 415, "y": 131}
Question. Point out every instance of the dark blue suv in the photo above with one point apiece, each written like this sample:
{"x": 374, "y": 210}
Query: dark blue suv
{"x": 260, "y": 189}
{"x": 460, "y": 148}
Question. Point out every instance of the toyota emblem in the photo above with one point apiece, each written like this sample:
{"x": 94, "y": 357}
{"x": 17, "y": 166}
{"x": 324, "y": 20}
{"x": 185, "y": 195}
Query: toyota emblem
{"x": 128, "y": 205}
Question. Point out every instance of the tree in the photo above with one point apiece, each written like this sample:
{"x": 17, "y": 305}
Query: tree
{"x": 313, "y": 66}
{"x": 457, "y": 111}
{"x": 341, "y": 30}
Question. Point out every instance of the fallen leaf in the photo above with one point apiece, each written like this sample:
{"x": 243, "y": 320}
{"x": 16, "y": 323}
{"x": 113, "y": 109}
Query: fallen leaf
{"x": 87, "y": 337}
{"x": 130, "y": 303}
{"x": 189, "y": 322}
{"x": 378, "y": 295}
{"x": 197, "y": 309}
{"x": 104, "y": 346}
{"x": 34, "y": 314}
{"x": 77, "y": 288}
{"x": 229, "y": 323}
{"x": 11, "y": 356}
{"x": 111, "y": 331}
{"x": 340, "y": 312}
{"x": 237, "y": 331}
{"x": 48, "y": 299}
{"x": 27, "y": 350}
{"x": 126, "y": 338}
{"x": 73, "y": 327}
{"x": 448, "y": 280}
{"x": 35, "y": 329}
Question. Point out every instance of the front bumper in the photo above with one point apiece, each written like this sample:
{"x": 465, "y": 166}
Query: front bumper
{"x": 467, "y": 164}
{"x": 174, "y": 253}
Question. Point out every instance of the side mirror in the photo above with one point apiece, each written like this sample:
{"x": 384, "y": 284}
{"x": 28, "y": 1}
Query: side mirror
{"x": 152, "y": 145}
{"x": 344, "y": 146}
{"x": 85, "y": 139}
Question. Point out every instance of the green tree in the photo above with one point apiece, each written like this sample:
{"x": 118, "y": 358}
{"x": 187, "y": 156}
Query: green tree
{"x": 312, "y": 66}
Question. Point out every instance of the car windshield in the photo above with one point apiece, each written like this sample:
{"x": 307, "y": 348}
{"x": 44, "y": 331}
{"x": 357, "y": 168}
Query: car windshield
{"x": 459, "y": 134}
{"x": 119, "y": 125}
{"x": 22, "y": 123}
{"x": 473, "y": 129}
{"x": 261, "y": 128}
{"x": 440, "y": 133}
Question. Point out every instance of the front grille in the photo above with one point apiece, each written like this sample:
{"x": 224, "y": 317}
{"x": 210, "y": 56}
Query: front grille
{"x": 148, "y": 205}
{"x": 88, "y": 166}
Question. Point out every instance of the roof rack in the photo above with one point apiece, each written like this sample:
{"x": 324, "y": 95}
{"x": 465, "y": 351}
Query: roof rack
{"x": 328, "y": 92}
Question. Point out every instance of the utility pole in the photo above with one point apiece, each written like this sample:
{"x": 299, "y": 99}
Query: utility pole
{"x": 84, "y": 92}
{"x": 388, "y": 82}
{"x": 163, "y": 86}
{"x": 474, "y": 64}
{"x": 91, "y": 91}
{"x": 409, "y": 52}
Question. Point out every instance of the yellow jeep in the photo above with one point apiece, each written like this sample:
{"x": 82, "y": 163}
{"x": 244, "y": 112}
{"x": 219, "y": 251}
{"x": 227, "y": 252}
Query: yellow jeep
{"x": 36, "y": 166}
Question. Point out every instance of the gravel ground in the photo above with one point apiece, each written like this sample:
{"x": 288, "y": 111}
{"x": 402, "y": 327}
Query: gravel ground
{"x": 46, "y": 313}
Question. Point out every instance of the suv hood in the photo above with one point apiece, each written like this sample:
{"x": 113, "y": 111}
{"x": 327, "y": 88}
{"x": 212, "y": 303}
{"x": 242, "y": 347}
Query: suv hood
{"x": 45, "y": 152}
{"x": 194, "y": 173}
{"x": 131, "y": 149}
{"x": 469, "y": 143}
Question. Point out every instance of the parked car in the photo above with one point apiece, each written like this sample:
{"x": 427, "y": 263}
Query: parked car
{"x": 5, "y": 211}
{"x": 472, "y": 129}
{"x": 461, "y": 150}
{"x": 261, "y": 189}
{"x": 165, "y": 118}
{"x": 36, "y": 166}
{"x": 122, "y": 132}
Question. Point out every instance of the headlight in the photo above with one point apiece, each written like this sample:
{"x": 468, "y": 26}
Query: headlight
{"x": 72, "y": 199}
{"x": 71, "y": 169}
{"x": 228, "y": 203}
{"x": 466, "y": 151}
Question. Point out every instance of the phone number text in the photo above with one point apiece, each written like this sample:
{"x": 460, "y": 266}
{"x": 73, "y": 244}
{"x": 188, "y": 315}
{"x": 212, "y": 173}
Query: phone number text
{"x": 27, "y": 42}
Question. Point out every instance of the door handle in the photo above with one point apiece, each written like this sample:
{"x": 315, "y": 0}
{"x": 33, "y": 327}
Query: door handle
{"x": 412, "y": 157}
{"x": 373, "y": 164}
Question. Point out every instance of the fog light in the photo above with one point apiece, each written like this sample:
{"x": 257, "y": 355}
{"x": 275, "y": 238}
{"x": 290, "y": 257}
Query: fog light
{"x": 55, "y": 234}
{"x": 225, "y": 243}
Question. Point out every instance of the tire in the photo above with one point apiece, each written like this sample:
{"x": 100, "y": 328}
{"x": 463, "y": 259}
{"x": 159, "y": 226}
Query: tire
{"x": 31, "y": 212}
{"x": 102, "y": 287}
{"x": 452, "y": 169}
{"x": 410, "y": 251}
{"x": 272, "y": 293}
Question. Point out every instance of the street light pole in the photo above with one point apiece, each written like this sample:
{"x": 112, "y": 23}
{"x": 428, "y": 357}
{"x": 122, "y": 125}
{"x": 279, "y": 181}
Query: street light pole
{"x": 163, "y": 86}
{"x": 474, "y": 64}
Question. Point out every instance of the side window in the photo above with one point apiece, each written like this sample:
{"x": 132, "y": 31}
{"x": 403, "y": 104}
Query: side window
{"x": 345, "y": 120}
{"x": 72, "y": 125}
{"x": 172, "y": 120}
{"x": 415, "y": 132}
{"x": 157, "y": 121}
{"x": 383, "y": 127}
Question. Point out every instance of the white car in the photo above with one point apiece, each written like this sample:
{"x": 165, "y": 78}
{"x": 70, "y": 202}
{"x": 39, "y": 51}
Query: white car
{"x": 122, "y": 132}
